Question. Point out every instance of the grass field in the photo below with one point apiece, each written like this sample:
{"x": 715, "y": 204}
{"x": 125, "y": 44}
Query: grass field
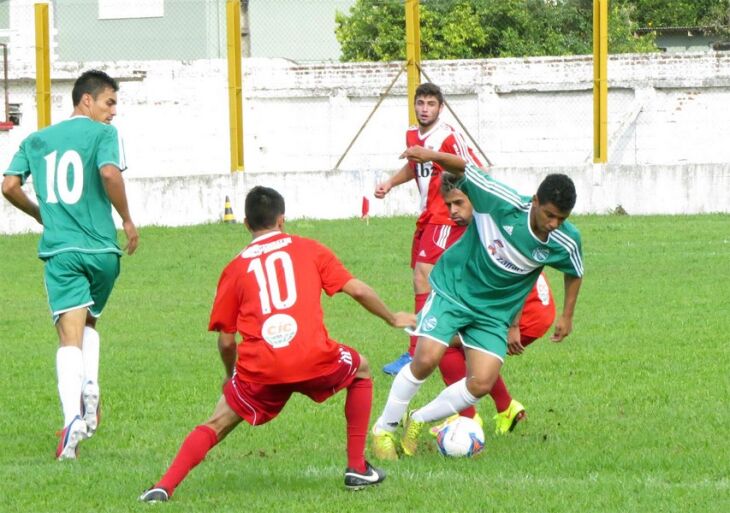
{"x": 629, "y": 414}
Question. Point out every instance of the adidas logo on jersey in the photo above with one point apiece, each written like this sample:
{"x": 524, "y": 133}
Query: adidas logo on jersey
{"x": 422, "y": 253}
{"x": 508, "y": 229}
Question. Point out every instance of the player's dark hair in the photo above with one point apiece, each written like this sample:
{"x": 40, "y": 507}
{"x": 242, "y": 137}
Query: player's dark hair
{"x": 429, "y": 89}
{"x": 92, "y": 82}
{"x": 263, "y": 206}
{"x": 448, "y": 182}
{"x": 559, "y": 190}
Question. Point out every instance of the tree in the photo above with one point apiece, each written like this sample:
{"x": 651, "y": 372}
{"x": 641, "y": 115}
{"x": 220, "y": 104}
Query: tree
{"x": 467, "y": 29}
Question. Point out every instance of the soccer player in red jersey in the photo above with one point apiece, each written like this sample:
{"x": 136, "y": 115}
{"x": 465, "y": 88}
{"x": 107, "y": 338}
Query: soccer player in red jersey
{"x": 270, "y": 294}
{"x": 537, "y": 317}
{"x": 435, "y": 231}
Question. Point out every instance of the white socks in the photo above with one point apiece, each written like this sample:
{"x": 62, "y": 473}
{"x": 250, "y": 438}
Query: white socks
{"x": 404, "y": 387}
{"x": 70, "y": 372}
{"x": 451, "y": 400}
{"x": 90, "y": 353}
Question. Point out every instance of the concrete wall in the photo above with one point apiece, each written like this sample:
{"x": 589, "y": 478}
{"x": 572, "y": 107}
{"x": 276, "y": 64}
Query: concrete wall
{"x": 638, "y": 190}
{"x": 668, "y": 121}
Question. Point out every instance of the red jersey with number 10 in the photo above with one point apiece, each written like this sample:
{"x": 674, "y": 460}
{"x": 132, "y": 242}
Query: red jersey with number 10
{"x": 270, "y": 293}
{"x": 442, "y": 137}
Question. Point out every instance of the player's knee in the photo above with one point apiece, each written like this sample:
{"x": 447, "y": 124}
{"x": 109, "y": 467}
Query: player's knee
{"x": 363, "y": 371}
{"x": 479, "y": 386}
{"x": 424, "y": 364}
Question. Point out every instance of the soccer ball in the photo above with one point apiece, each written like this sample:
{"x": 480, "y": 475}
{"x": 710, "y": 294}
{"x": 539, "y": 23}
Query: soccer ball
{"x": 461, "y": 437}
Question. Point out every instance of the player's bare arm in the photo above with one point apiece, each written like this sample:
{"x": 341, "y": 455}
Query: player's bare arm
{"x": 14, "y": 193}
{"x": 404, "y": 174}
{"x": 369, "y": 299}
{"x": 114, "y": 186}
{"x": 227, "y": 350}
{"x": 514, "y": 342}
{"x": 448, "y": 161}
{"x": 564, "y": 326}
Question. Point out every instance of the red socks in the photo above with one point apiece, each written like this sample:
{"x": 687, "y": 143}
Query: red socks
{"x": 420, "y": 301}
{"x": 357, "y": 412}
{"x": 193, "y": 450}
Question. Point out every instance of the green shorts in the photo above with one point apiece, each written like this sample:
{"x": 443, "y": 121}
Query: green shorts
{"x": 441, "y": 319}
{"x": 76, "y": 280}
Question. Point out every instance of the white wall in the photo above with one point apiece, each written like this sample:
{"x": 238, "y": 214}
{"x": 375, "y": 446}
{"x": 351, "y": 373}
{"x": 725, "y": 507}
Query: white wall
{"x": 668, "y": 124}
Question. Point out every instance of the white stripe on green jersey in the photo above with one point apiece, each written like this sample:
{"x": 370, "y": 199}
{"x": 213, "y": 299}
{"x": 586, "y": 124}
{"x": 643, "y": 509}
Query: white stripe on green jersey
{"x": 64, "y": 160}
{"x": 495, "y": 264}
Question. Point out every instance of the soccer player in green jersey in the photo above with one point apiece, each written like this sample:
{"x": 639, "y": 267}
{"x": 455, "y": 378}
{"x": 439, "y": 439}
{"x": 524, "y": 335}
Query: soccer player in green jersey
{"x": 479, "y": 286}
{"x": 76, "y": 166}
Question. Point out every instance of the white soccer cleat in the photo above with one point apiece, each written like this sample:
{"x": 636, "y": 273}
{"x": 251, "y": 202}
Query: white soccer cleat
{"x": 91, "y": 407}
{"x": 71, "y": 436}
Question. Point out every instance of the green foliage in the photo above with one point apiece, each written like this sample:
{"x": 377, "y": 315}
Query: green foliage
{"x": 467, "y": 29}
{"x": 626, "y": 415}
{"x": 679, "y": 13}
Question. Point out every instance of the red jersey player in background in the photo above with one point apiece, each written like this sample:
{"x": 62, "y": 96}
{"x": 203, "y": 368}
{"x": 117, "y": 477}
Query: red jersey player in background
{"x": 537, "y": 316}
{"x": 435, "y": 231}
{"x": 270, "y": 294}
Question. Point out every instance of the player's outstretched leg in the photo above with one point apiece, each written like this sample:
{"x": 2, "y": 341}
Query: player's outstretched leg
{"x": 355, "y": 480}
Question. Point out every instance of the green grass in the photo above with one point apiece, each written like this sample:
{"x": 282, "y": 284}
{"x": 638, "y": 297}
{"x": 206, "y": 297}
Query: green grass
{"x": 628, "y": 414}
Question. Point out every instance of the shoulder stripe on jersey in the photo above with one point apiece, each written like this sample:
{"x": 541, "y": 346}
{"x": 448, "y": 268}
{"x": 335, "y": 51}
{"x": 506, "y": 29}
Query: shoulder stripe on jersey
{"x": 463, "y": 148}
{"x": 571, "y": 247}
{"x": 122, "y": 156}
{"x": 495, "y": 188}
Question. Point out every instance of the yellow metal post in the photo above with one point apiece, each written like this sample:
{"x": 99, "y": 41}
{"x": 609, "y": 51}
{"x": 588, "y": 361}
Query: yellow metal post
{"x": 413, "y": 54}
{"x": 600, "y": 81}
{"x": 235, "y": 88}
{"x": 43, "y": 66}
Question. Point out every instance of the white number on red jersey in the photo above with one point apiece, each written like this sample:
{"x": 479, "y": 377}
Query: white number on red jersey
{"x": 269, "y": 290}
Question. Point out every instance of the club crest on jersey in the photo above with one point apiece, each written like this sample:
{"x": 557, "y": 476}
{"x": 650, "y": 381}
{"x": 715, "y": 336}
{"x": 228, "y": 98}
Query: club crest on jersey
{"x": 429, "y": 323}
{"x": 540, "y": 254}
{"x": 278, "y": 330}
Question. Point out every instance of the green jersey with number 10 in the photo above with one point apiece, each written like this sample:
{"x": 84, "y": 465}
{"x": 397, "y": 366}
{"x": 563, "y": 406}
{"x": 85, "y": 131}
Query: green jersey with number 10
{"x": 495, "y": 264}
{"x": 64, "y": 160}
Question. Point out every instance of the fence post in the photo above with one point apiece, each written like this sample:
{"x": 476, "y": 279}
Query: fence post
{"x": 43, "y": 66}
{"x": 235, "y": 88}
{"x": 600, "y": 81}
{"x": 413, "y": 55}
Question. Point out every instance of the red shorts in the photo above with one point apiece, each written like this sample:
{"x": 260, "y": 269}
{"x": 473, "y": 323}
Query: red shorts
{"x": 430, "y": 241}
{"x": 258, "y": 403}
{"x": 538, "y": 314}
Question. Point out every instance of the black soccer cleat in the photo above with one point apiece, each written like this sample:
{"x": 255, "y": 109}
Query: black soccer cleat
{"x": 155, "y": 495}
{"x": 355, "y": 480}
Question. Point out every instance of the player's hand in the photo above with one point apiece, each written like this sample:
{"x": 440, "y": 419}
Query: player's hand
{"x": 417, "y": 154}
{"x": 382, "y": 189}
{"x": 404, "y": 320}
{"x": 514, "y": 343}
{"x": 132, "y": 237}
{"x": 563, "y": 328}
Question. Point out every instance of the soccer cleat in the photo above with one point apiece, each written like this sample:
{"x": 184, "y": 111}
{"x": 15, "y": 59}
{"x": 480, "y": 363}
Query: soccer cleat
{"x": 506, "y": 421}
{"x": 155, "y": 495}
{"x": 411, "y": 431}
{"x": 396, "y": 365}
{"x": 68, "y": 445}
{"x": 91, "y": 407}
{"x": 355, "y": 480}
{"x": 384, "y": 444}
